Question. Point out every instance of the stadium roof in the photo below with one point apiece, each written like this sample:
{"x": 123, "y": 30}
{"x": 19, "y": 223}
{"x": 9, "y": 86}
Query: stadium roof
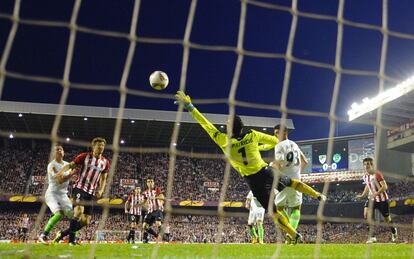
{"x": 397, "y": 106}
{"x": 397, "y": 109}
{"x": 140, "y": 127}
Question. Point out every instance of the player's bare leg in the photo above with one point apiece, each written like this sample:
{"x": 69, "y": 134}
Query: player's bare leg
{"x": 148, "y": 230}
{"x": 371, "y": 239}
{"x": 78, "y": 221}
{"x": 394, "y": 233}
{"x": 159, "y": 226}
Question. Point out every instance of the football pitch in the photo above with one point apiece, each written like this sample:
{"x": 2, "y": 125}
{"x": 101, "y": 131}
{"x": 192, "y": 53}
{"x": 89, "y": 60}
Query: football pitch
{"x": 348, "y": 251}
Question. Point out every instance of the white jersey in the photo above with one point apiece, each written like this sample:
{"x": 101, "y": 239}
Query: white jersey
{"x": 254, "y": 203}
{"x": 52, "y": 169}
{"x": 290, "y": 169}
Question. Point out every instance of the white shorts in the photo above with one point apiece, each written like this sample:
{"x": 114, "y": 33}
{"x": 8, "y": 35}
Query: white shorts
{"x": 58, "y": 201}
{"x": 288, "y": 197}
{"x": 256, "y": 215}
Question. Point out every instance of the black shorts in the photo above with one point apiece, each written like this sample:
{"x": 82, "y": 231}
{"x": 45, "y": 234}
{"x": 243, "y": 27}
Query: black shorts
{"x": 152, "y": 217}
{"x": 383, "y": 207}
{"x": 23, "y": 230}
{"x": 134, "y": 218}
{"x": 261, "y": 185}
{"x": 81, "y": 198}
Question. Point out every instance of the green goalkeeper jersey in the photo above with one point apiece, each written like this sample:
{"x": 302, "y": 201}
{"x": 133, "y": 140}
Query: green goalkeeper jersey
{"x": 244, "y": 153}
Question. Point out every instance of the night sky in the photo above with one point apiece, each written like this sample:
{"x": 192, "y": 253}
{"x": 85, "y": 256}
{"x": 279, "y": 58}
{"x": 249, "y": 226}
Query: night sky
{"x": 41, "y": 51}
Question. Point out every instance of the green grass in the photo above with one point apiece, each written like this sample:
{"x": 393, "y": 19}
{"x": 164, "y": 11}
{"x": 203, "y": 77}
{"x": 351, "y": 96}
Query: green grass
{"x": 348, "y": 251}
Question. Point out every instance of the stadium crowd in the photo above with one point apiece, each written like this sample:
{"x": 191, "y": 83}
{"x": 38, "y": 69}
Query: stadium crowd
{"x": 195, "y": 179}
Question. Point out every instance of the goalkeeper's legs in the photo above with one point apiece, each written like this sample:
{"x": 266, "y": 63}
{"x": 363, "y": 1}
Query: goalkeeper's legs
{"x": 283, "y": 222}
{"x": 306, "y": 189}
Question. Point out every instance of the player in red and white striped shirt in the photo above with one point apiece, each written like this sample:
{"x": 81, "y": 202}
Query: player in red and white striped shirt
{"x": 155, "y": 206}
{"x": 376, "y": 186}
{"x": 24, "y": 227}
{"x": 133, "y": 207}
{"x": 93, "y": 172}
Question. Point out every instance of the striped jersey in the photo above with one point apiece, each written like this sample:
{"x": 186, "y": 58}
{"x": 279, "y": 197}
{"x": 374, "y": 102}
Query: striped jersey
{"x": 135, "y": 203}
{"x": 373, "y": 183}
{"x": 90, "y": 172}
{"x": 24, "y": 223}
{"x": 153, "y": 203}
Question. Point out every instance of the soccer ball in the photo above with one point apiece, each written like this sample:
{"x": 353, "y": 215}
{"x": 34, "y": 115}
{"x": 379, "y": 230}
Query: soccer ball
{"x": 158, "y": 80}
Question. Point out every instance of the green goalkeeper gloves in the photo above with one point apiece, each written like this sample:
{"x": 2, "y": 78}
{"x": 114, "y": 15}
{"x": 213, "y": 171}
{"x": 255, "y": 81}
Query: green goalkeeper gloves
{"x": 181, "y": 97}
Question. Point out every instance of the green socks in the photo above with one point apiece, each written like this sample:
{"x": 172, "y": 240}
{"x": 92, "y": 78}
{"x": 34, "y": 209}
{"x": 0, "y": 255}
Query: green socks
{"x": 260, "y": 231}
{"x": 294, "y": 218}
{"x": 253, "y": 232}
{"x": 283, "y": 223}
{"x": 52, "y": 222}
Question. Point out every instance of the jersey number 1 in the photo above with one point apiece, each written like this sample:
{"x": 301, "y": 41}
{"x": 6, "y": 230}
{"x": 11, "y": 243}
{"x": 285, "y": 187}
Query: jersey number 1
{"x": 243, "y": 152}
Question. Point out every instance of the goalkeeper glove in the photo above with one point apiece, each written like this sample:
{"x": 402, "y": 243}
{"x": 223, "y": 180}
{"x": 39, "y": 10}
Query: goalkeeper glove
{"x": 181, "y": 97}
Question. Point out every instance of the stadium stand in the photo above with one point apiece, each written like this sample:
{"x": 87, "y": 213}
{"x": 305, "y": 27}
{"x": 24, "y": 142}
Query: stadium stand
{"x": 195, "y": 178}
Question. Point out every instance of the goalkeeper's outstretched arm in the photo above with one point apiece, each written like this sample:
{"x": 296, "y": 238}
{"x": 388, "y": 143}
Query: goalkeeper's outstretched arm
{"x": 216, "y": 135}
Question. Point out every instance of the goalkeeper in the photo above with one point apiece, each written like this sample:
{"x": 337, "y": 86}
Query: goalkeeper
{"x": 245, "y": 158}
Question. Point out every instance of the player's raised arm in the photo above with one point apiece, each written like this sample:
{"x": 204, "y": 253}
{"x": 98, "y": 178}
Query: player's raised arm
{"x": 127, "y": 203}
{"x": 217, "y": 136}
{"x": 267, "y": 140}
{"x": 265, "y": 147}
{"x": 249, "y": 198}
{"x": 247, "y": 203}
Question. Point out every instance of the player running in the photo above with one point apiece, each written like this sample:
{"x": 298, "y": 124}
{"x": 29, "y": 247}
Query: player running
{"x": 256, "y": 215}
{"x": 289, "y": 197}
{"x": 242, "y": 151}
{"x": 155, "y": 205}
{"x": 377, "y": 188}
{"x": 24, "y": 227}
{"x": 56, "y": 196}
{"x": 94, "y": 168}
{"x": 133, "y": 208}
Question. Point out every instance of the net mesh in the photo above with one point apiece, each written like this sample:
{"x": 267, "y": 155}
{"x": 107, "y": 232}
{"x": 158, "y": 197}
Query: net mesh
{"x": 223, "y": 217}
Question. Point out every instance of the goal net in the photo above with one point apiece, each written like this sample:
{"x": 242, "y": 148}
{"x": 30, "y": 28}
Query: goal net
{"x": 298, "y": 62}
